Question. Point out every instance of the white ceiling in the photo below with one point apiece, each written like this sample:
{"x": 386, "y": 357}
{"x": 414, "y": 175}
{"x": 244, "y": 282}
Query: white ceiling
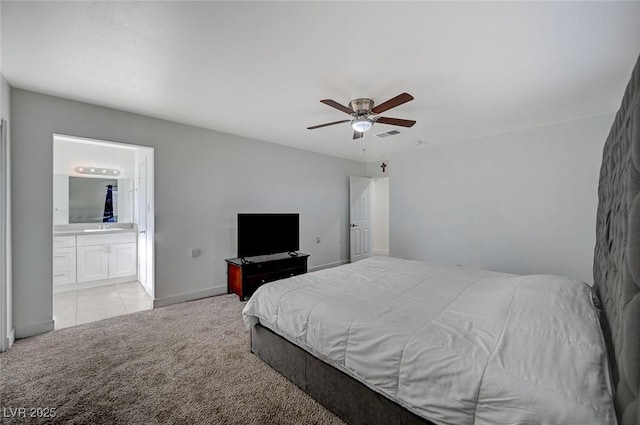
{"x": 71, "y": 152}
{"x": 259, "y": 69}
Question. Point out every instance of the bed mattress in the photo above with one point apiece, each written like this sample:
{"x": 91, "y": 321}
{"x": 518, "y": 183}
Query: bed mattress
{"x": 454, "y": 345}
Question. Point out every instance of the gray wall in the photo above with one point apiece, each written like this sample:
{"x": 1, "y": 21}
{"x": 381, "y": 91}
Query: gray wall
{"x": 374, "y": 170}
{"x": 202, "y": 179}
{"x": 521, "y": 202}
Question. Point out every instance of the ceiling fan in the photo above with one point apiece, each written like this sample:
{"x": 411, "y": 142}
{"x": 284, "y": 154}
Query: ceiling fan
{"x": 364, "y": 114}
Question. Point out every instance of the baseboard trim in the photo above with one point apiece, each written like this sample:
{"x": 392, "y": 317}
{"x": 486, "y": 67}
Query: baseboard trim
{"x": 380, "y": 252}
{"x": 219, "y": 290}
{"x": 32, "y": 330}
{"x": 8, "y": 342}
{"x": 328, "y": 265}
{"x": 189, "y": 296}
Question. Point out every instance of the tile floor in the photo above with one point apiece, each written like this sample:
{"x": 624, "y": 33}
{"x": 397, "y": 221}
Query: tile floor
{"x": 89, "y": 305}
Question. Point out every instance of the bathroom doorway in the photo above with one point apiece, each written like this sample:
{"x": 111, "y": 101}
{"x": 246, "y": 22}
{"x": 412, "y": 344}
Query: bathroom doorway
{"x": 103, "y": 211}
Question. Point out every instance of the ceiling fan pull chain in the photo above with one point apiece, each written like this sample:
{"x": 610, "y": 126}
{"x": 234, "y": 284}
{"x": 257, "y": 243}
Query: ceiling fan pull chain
{"x": 363, "y": 148}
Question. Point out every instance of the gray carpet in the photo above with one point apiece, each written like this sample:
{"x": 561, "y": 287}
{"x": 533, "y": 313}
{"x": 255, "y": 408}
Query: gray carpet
{"x": 187, "y": 363}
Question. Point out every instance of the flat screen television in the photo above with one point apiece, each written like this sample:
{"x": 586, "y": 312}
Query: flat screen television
{"x": 264, "y": 234}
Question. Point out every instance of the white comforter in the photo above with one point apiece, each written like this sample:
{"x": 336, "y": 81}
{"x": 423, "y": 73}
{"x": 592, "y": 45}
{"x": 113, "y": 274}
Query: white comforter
{"x": 454, "y": 345}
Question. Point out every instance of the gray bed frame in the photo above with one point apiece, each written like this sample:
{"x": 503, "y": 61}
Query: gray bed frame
{"x": 616, "y": 273}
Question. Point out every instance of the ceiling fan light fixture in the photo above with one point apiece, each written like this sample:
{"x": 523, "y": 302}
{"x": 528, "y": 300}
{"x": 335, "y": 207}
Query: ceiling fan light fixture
{"x": 361, "y": 125}
{"x": 364, "y": 114}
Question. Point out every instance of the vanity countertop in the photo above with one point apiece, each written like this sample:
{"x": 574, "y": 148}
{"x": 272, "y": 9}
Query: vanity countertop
{"x": 92, "y": 232}
{"x": 71, "y": 230}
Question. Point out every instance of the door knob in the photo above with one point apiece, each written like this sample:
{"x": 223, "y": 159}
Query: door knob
{"x": 354, "y": 225}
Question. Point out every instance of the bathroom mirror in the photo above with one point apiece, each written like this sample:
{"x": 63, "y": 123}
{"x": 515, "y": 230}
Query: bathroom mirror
{"x": 93, "y": 200}
{"x": 83, "y": 199}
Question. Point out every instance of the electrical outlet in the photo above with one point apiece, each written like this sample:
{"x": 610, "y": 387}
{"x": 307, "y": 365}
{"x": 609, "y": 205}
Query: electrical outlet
{"x": 317, "y": 239}
{"x": 195, "y": 252}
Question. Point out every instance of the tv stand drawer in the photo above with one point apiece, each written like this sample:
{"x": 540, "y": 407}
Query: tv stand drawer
{"x": 273, "y": 265}
{"x": 258, "y": 279}
{"x": 244, "y": 276}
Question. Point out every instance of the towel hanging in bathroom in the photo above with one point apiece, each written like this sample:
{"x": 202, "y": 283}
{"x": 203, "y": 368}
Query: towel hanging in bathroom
{"x": 107, "y": 217}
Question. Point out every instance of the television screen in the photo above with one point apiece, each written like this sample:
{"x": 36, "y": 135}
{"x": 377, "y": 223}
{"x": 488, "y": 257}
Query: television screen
{"x": 263, "y": 234}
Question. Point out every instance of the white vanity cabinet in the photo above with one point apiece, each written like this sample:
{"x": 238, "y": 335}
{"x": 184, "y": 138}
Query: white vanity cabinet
{"x": 122, "y": 259}
{"x": 64, "y": 260}
{"x": 106, "y": 256}
{"x": 93, "y": 263}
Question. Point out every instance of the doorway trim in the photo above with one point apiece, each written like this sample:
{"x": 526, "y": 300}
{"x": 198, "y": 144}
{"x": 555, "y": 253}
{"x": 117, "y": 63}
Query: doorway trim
{"x": 147, "y": 235}
{"x": 7, "y": 336}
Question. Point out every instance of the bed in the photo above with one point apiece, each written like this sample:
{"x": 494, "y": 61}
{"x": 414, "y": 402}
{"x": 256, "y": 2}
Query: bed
{"x": 386, "y": 340}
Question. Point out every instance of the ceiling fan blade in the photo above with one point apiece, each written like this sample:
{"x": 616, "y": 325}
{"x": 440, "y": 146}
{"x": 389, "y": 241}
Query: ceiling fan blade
{"x": 338, "y": 106}
{"x": 357, "y": 135}
{"x": 395, "y": 121}
{"x": 324, "y": 125}
{"x": 392, "y": 103}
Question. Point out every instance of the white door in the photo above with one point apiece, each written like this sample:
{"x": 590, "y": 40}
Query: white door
{"x": 360, "y": 217}
{"x": 142, "y": 226}
{"x": 122, "y": 260}
{"x": 92, "y": 262}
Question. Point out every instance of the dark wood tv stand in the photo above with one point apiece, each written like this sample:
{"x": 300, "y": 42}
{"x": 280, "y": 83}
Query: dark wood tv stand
{"x": 245, "y": 275}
